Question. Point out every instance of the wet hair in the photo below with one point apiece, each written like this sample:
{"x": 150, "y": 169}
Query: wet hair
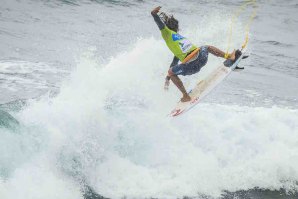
{"x": 170, "y": 21}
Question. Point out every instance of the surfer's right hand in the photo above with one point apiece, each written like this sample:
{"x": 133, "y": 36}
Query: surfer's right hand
{"x": 167, "y": 83}
{"x": 156, "y": 10}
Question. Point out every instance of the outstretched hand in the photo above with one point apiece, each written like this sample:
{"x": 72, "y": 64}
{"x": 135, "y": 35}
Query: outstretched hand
{"x": 167, "y": 83}
{"x": 156, "y": 10}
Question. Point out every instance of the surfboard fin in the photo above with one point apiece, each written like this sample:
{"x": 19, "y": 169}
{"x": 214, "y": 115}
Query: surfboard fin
{"x": 239, "y": 68}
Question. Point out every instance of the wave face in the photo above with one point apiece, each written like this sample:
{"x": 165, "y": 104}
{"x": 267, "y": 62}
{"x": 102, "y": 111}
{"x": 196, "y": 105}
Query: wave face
{"x": 94, "y": 117}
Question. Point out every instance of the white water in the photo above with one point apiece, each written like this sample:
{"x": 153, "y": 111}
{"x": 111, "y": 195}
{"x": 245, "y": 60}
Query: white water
{"x": 111, "y": 120}
{"x": 107, "y": 128}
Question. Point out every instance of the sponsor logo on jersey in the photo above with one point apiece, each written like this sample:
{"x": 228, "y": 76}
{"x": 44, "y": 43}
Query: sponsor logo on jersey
{"x": 185, "y": 45}
{"x": 176, "y": 37}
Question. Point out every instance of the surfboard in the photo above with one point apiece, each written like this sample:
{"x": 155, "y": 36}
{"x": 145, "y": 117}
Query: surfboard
{"x": 204, "y": 87}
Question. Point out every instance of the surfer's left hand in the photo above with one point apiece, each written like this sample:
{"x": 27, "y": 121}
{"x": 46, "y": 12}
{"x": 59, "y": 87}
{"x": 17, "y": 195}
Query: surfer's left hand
{"x": 167, "y": 83}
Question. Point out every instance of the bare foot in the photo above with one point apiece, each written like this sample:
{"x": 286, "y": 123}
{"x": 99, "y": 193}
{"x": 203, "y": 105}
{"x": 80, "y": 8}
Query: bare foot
{"x": 185, "y": 98}
{"x": 232, "y": 56}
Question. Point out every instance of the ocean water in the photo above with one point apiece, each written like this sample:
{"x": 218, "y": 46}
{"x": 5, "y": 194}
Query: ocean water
{"x": 83, "y": 109}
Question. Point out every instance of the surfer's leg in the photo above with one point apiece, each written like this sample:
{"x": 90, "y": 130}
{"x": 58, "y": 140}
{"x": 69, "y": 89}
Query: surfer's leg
{"x": 177, "y": 81}
{"x": 219, "y": 53}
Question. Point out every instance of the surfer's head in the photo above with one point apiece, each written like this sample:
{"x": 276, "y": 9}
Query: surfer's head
{"x": 170, "y": 21}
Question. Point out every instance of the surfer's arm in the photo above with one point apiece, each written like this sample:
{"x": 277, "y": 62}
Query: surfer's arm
{"x": 167, "y": 80}
{"x": 174, "y": 62}
{"x": 157, "y": 19}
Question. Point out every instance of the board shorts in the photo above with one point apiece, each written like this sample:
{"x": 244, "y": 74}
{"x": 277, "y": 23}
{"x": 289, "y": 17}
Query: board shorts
{"x": 194, "y": 66}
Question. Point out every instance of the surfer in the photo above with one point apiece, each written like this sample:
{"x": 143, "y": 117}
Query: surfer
{"x": 192, "y": 58}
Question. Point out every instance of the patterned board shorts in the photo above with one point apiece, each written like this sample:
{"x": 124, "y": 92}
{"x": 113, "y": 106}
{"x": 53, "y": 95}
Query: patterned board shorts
{"x": 193, "y": 66}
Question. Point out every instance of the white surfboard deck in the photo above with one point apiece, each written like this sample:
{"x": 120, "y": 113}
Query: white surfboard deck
{"x": 204, "y": 87}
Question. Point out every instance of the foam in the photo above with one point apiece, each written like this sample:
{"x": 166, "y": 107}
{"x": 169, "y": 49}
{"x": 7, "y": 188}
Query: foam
{"x": 108, "y": 127}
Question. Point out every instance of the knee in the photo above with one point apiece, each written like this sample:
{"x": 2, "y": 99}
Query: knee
{"x": 208, "y": 48}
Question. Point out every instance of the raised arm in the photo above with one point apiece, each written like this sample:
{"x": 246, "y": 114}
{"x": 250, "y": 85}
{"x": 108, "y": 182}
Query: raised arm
{"x": 157, "y": 20}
